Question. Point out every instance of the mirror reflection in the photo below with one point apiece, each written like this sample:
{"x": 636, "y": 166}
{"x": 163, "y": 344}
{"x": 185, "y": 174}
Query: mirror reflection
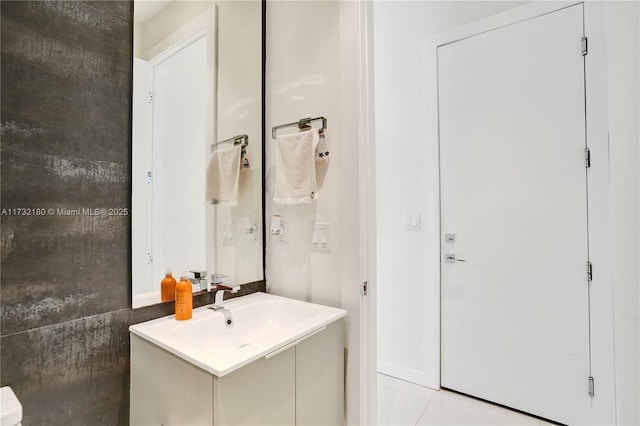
{"x": 197, "y": 181}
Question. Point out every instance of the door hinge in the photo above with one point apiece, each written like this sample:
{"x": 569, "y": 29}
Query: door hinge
{"x": 589, "y": 271}
{"x": 591, "y": 387}
{"x": 149, "y": 177}
{"x": 587, "y": 157}
{"x": 149, "y": 258}
{"x": 584, "y": 46}
{"x": 150, "y": 97}
{"x": 364, "y": 290}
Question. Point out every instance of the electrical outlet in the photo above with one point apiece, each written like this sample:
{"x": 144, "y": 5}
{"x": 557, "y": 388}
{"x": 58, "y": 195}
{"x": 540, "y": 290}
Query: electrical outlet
{"x": 255, "y": 235}
{"x": 282, "y": 238}
{"x": 320, "y": 237}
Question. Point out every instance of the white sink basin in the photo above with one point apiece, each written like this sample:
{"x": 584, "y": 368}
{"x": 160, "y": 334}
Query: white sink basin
{"x": 262, "y": 324}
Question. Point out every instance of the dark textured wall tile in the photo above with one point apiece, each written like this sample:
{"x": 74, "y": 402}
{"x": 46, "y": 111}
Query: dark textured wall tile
{"x": 57, "y": 268}
{"x": 66, "y": 80}
{"x": 120, "y": 10}
{"x": 65, "y": 113}
{"x": 52, "y": 181}
{"x": 74, "y": 373}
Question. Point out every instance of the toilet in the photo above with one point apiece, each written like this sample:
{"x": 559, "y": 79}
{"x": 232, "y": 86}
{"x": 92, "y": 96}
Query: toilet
{"x": 10, "y": 408}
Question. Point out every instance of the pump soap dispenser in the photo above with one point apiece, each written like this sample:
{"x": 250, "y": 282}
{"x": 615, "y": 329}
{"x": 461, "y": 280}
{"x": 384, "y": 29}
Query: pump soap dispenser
{"x": 184, "y": 298}
{"x": 168, "y": 287}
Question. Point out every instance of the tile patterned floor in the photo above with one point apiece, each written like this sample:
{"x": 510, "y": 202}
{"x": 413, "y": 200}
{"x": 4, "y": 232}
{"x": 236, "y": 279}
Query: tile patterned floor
{"x": 403, "y": 403}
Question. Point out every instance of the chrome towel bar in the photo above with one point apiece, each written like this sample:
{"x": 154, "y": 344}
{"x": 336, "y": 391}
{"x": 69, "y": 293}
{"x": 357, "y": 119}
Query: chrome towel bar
{"x": 237, "y": 140}
{"x": 303, "y": 124}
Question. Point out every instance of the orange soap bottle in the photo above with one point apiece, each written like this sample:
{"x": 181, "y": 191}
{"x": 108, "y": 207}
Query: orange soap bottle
{"x": 184, "y": 299}
{"x": 168, "y": 287}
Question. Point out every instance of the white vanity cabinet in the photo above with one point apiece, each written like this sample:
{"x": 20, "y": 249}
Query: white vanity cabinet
{"x": 299, "y": 384}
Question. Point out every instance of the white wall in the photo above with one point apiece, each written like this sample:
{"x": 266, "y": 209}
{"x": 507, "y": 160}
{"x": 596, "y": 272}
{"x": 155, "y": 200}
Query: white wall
{"x": 239, "y": 110}
{"x": 404, "y": 186}
{"x": 313, "y": 70}
{"x": 623, "y": 78}
{"x": 303, "y": 80}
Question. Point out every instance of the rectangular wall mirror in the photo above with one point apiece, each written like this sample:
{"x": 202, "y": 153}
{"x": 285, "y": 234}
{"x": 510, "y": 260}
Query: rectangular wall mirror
{"x": 197, "y": 89}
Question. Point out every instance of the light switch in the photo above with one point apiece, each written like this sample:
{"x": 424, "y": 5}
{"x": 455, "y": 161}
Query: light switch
{"x": 411, "y": 222}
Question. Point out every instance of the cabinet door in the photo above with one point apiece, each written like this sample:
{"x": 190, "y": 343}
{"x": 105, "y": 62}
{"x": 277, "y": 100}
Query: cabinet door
{"x": 166, "y": 390}
{"x": 320, "y": 378}
{"x": 261, "y": 393}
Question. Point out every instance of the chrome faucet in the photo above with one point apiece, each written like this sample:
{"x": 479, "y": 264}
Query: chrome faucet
{"x": 218, "y": 278}
{"x": 198, "y": 278}
{"x": 220, "y": 289}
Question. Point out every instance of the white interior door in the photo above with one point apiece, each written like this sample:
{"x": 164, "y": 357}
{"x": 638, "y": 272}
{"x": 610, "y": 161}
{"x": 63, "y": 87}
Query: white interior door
{"x": 141, "y": 148}
{"x": 515, "y": 303}
{"x": 179, "y": 147}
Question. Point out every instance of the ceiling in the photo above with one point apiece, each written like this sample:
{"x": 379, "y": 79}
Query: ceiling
{"x": 143, "y": 10}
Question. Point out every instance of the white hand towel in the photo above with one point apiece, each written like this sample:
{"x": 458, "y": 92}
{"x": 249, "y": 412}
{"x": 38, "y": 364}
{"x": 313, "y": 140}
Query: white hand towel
{"x": 223, "y": 175}
{"x": 296, "y": 168}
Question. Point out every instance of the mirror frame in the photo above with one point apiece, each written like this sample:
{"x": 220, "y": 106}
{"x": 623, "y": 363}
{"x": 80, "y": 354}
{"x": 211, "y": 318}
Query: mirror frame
{"x": 202, "y": 298}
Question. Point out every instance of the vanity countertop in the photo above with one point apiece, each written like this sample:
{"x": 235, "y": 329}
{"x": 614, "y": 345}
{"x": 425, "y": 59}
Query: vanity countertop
{"x": 262, "y": 324}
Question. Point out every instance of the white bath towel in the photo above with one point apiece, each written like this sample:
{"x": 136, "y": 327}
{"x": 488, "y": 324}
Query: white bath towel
{"x": 223, "y": 175}
{"x": 296, "y": 168}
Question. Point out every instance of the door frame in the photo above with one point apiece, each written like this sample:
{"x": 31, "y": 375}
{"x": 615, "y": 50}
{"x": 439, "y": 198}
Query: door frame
{"x": 603, "y": 404}
{"x": 367, "y": 173}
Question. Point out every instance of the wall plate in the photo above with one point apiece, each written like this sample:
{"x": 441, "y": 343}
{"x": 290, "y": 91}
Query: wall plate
{"x": 227, "y": 234}
{"x": 320, "y": 240}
